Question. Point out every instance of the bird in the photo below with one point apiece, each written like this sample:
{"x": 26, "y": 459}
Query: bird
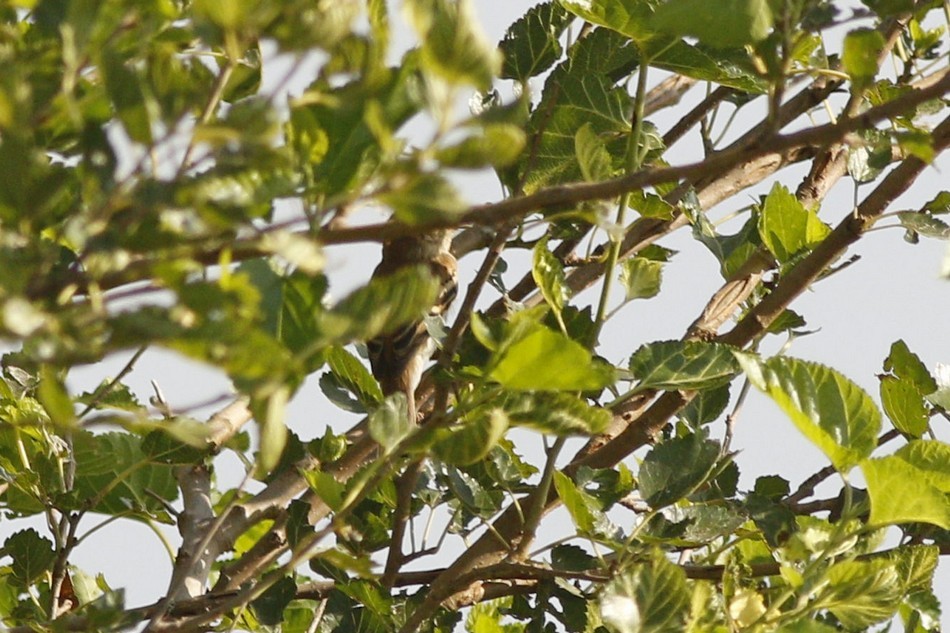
{"x": 397, "y": 357}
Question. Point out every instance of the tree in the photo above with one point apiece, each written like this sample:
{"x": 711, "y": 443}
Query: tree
{"x": 154, "y": 195}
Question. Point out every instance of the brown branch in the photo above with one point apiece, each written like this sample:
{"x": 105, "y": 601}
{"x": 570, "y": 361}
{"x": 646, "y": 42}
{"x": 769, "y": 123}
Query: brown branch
{"x": 552, "y": 198}
{"x": 509, "y": 526}
{"x": 693, "y": 117}
{"x": 405, "y": 486}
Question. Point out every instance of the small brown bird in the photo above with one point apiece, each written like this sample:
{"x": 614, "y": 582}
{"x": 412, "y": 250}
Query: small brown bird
{"x": 398, "y": 357}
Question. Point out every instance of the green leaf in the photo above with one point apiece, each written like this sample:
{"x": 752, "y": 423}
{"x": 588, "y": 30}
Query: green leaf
{"x": 707, "y": 406}
{"x": 125, "y": 90}
{"x": 932, "y": 458}
{"x": 904, "y": 405}
{"x": 384, "y": 305}
{"x": 916, "y": 565}
{"x": 831, "y": 411}
{"x": 572, "y": 558}
{"x": 867, "y": 160}
{"x": 582, "y": 507}
{"x": 651, "y": 597}
{"x": 164, "y": 446}
{"x": 863, "y": 593}
{"x": 924, "y": 224}
{"x": 940, "y": 204}
{"x": 329, "y": 128}
{"x": 732, "y": 68}
{"x": 269, "y": 606}
{"x": 52, "y": 394}
{"x": 732, "y": 23}
{"x": 424, "y": 198}
{"x": 630, "y": 17}
{"x": 497, "y": 145}
{"x": 548, "y": 273}
{"x": 917, "y": 143}
{"x": 545, "y": 360}
{"x": 676, "y": 467}
{"x": 732, "y": 251}
{"x": 327, "y": 487}
{"x": 32, "y": 555}
{"x": 478, "y": 434}
{"x": 787, "y": 227}
{"x": 389, "y": 424}
{"x": 353, "y": 376}
{"x": 900, "y": 493}
{"x": 291, "y": 305}
{"x": 273, "y": 427}
{"x": 301, "y": 252}
{"x": 905, "y": 364}
{"x": 683, "y": 365}
{"x": 885, "y": 8}
{"x": 555, "y": 413}
{"x": 111, "y": 395}
{"x": 859, "y": 56}
{"x": 452, "y": 43}
{"x": 114, "y": 476}
{"x": 641, "y": 277}
{"x": 532, "y": 44}
{"x": 649, "y": 205}
{"x": 572, "y": 99}
{"x": 592, "y": 156}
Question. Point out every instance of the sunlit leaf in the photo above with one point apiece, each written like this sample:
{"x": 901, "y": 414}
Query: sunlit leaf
{"x": 786, "y": 226}
{"x": 900, "y": 493}
{"x": 831, "y": 411}
{"x": 592, "y": 156}
{"x": 651, "y": 597}
{"x": 863, "y": 593}
{"x": 907, "y": 365}
{"x": 548, "y": 273}
{"x": 904, "y": 405}
{"x": 733, "y": 23}
{"x": 453, "y": 44}
{"x": 641, "y": 277}
{"x": 546, "y": 360}
{"x": 862, "y": 47}
{"x": 932, "y": 458}
{"x": 582, "y": 507}
{"x": 273, "y": 427}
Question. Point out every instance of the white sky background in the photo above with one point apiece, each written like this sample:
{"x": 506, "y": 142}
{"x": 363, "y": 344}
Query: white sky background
{"x": 892, "y": 292}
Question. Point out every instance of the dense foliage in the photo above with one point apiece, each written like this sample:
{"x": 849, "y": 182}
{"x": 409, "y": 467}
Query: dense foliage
{"x": 153, "y": 194}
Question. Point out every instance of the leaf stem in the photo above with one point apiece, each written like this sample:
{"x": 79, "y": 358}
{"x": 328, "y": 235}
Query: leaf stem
{"x": 634, "y": 159}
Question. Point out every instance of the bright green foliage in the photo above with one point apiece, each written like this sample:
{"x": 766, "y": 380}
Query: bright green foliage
{"x": 651, "y": 596}
{"x": 197, "y": 179}
{"x": 733, "y": 23}
{"x": 860, "y": 55}
{"x": 833, "y": 412}
{"x": 786, "y": 227}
